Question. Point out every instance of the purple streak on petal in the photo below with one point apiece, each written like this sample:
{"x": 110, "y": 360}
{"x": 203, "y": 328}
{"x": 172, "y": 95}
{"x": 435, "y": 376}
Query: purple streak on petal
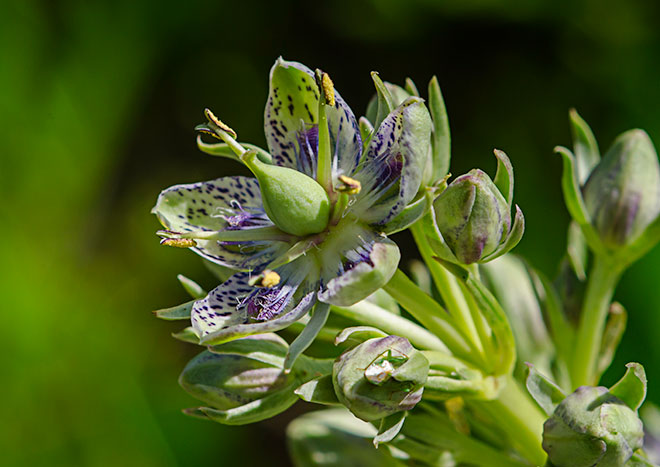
{"x": 307, "y": 149}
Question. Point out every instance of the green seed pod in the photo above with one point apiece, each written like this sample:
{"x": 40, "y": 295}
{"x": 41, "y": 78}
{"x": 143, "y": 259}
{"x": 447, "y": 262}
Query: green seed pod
{"x": 622, "y": 194}
{"x": 295, "y": 203}
{"x": 472, "y": 216}
{"x": 380, "y": 377}
{"x": 592, "y": 427}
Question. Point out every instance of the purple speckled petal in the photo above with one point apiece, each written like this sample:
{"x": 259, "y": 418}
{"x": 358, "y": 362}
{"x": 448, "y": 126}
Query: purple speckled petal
{"x": 291, "y": 122}
{"x": 366, "y": 269}
{"x": 226, "y": 203}
{"x": 391, "y": 171}
{"x": 235, "y": 309}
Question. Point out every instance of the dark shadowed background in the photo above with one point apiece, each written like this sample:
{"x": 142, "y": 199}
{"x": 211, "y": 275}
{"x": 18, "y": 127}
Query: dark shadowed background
{"x": 98, "y": 100}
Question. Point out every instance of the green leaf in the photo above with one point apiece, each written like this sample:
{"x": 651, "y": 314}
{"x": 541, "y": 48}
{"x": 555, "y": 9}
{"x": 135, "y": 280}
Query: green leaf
{"x": 252, "y": 412}
{"x": 366, "y": 130}
{"x": 440, "y": 139}
{"x": 307, "y": 336}
{"x": 411, "y": 88}
{"x": 631, "y": 389}
{"x": 267, "y": 348}
{"x": 585, "y": 146}
{"x": 318, "y": 391}
{"x": 577, "y": 250}
{"x": 176, "y": 312}
{"x": 389, "y": 427}
{"x": 571, "y": 188}
{"x": 192, "y": 287}
{"x": 546, "y": 393}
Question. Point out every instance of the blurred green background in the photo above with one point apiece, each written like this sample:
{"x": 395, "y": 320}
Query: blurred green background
{"x": 98, "y": 102}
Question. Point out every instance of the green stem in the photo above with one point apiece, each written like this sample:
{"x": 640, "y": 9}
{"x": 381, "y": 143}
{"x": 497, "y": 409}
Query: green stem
{"x": 428, "y": 312}
{"x": 372, "y": 315}
{"x": 600, "y": 288}
{"x": 449, "y": 289}
{"x": 519, "y": 417}
{"x": 437, "y": 431}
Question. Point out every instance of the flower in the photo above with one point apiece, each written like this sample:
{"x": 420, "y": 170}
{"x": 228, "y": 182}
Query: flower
{"x": 311, "y": 226}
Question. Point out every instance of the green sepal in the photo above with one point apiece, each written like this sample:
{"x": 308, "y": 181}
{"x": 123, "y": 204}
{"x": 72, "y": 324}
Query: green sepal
{"x": 269, "y": 348}
{"x": 504, "y": 176}
{"x": 386, "y": 102}
{"x": 512, "y": 239}
{"x": 617, "y": 319}
{"x": 411, "y": 214}
{"x": 585, "y": 146}
{"x": 255, "y": 411}
{"x": 359, "y": 333}
{"x": 440, "y": 138}
{"x": 308, "y": 334}
{"x": 366, "y": 131}
{"x": 318, "y": 391}
{"x": 410, "y": 87}
{"x": 193, "y": 288}
{"x": 545, "y": 392}
{"x": 176, "y": 312}
{"x": 187, "y": 335}
{"x": 389, "y": 428}
{"x": 631, "y": 389}
{"x": 647, "y": 240}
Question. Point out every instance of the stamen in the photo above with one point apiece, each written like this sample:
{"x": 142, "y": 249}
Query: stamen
{"x": 267, "y": 279}
{"x": 219, "y": 123}
{"x": 328, "y": 89}
{"x": 349, "y": 185}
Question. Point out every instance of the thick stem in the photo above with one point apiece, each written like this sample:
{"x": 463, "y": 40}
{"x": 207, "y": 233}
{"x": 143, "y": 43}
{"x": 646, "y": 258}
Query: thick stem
{"x": 372, "y": 315}
{"x": 437, "y": 431}
{"x": 600, "y": 288}
{"x": 519, "y": 417}
{"x": 449, "y": 289}
{"x": 428, "y": 312}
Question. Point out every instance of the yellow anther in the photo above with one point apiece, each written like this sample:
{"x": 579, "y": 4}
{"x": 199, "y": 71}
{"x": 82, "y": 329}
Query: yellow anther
{"x": 179, "y": 242}
{"x": 268, "y": 279}
{"x": 349, "y": 185}
{"x": 219, "y": 123}
{"x": 328, "y": 89}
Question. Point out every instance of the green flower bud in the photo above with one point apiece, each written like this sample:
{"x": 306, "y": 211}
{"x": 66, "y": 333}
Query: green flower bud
{"x": 592, "y": 427}
{"x": 622, "y": 194}
{"x": 295, "y": 203}
{"x": 472, "y": 216}
{"x": 380, "y": 377}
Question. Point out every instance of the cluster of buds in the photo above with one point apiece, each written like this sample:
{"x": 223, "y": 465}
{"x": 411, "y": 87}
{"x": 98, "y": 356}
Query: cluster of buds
{"x": 302, "y": 248}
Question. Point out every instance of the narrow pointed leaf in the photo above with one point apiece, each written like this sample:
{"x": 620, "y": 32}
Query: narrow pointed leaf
{"x": 193, "y": 288}
{"x": 187, "y": 335}
{"x": 385, "y": 100}
{"x": 546, "y": 393}
{"x": 577, "y": 250}
{"x": 366, "y": 131}
{"x": 389, "y": 427}
{"x": 318, "y": 391}
{"x": 411, "y": 88}
{"x": 176, "y": 312}
{"x": 307, "y": 336}
{"x": 440, "y": 139}
{"x": 571, "y": 188}
{"x": 585, "y": 146}
{"x": 616, "y": 325}
{"x": 631, "y": 389}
